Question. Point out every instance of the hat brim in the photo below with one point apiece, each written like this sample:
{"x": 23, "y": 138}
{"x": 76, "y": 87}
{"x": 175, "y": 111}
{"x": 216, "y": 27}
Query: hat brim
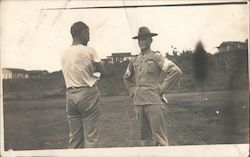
{"x": 145, "y": 35}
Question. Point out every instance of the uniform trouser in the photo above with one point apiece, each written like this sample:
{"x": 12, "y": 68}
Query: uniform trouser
{"x": 82, "y": 107}
{"x": 151, "y": 123}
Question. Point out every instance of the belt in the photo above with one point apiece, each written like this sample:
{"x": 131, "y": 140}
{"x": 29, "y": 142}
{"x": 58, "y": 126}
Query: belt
{"x": 77, "y": 87}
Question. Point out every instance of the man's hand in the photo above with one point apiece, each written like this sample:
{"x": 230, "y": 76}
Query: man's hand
{"x": 164, "y": 99}
{"x": 98, "y": 67}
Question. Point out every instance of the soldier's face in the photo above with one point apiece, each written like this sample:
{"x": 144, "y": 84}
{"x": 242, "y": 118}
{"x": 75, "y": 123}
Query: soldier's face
{"x": 144, "y": 43}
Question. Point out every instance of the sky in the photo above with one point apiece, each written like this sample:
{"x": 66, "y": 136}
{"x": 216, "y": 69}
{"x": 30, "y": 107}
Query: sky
{"x": 33, "y": 39}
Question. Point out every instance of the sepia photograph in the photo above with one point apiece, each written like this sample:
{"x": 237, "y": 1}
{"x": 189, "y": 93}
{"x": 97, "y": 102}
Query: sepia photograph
{"x": 160, "y": 78}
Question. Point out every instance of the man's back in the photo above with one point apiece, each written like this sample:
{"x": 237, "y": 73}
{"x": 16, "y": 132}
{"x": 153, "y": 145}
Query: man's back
{"x": 77, "y": 66}
{"x": 79, "y": 62}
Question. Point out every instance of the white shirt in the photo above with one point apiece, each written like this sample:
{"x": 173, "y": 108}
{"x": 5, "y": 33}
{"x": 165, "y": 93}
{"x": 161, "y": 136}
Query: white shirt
{"x": 77, "y": 66}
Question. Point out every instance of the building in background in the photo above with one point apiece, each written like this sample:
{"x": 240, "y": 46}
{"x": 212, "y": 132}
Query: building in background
{"x": 107, "y": 60}
{"x": 37, "y": 73}
{"x": 11, "y": 73}
{"x": 230, "y": 46}
{"x": 121, "y": 57}
{"x": 118, "y": 57}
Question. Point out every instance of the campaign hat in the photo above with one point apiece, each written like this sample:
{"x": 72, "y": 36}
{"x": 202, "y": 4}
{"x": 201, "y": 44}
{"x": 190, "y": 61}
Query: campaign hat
{"x": 144, "y": 32}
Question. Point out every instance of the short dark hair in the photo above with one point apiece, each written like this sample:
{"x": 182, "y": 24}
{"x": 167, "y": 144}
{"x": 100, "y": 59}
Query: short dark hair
{"x": 77, "y": 28}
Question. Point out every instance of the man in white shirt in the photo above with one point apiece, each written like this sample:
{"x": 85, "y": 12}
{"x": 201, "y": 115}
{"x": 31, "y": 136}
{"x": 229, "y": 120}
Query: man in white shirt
{"x": 80, "y": 68}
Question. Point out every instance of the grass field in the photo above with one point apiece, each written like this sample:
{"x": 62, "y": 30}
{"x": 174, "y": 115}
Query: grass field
{"x": 194, "y": 118}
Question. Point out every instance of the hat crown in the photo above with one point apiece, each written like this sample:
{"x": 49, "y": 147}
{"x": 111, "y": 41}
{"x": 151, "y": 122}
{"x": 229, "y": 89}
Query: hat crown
{"x": 143, "y": 31}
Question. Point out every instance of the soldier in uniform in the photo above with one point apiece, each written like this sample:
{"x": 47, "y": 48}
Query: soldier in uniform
{"x": 142, "y": 79}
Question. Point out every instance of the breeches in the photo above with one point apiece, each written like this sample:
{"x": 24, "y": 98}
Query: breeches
{"x": 151, "y": 123}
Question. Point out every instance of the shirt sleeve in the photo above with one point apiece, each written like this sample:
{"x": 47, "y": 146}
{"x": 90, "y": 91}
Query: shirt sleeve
{"x": 168, "y": 65}
{"x": 95, "y": 56}
{"x": 173, "y": 73}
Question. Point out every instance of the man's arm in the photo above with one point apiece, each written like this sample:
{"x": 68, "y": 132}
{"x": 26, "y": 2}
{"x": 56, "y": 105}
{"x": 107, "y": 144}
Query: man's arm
{"x": 129, "y": 79}
{"x": 173, "y": 73}
{"x": 99, "y": 67}
{"x": 97, "y": 64}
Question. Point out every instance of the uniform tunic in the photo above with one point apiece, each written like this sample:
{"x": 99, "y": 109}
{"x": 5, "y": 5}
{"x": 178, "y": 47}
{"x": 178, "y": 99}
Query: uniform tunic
{"x": 143, "y": 77}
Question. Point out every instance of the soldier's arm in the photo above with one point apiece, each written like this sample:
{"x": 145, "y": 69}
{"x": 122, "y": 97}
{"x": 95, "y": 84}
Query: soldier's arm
{"x": 129, "y": 79}
{"x": 173, "y": 73}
